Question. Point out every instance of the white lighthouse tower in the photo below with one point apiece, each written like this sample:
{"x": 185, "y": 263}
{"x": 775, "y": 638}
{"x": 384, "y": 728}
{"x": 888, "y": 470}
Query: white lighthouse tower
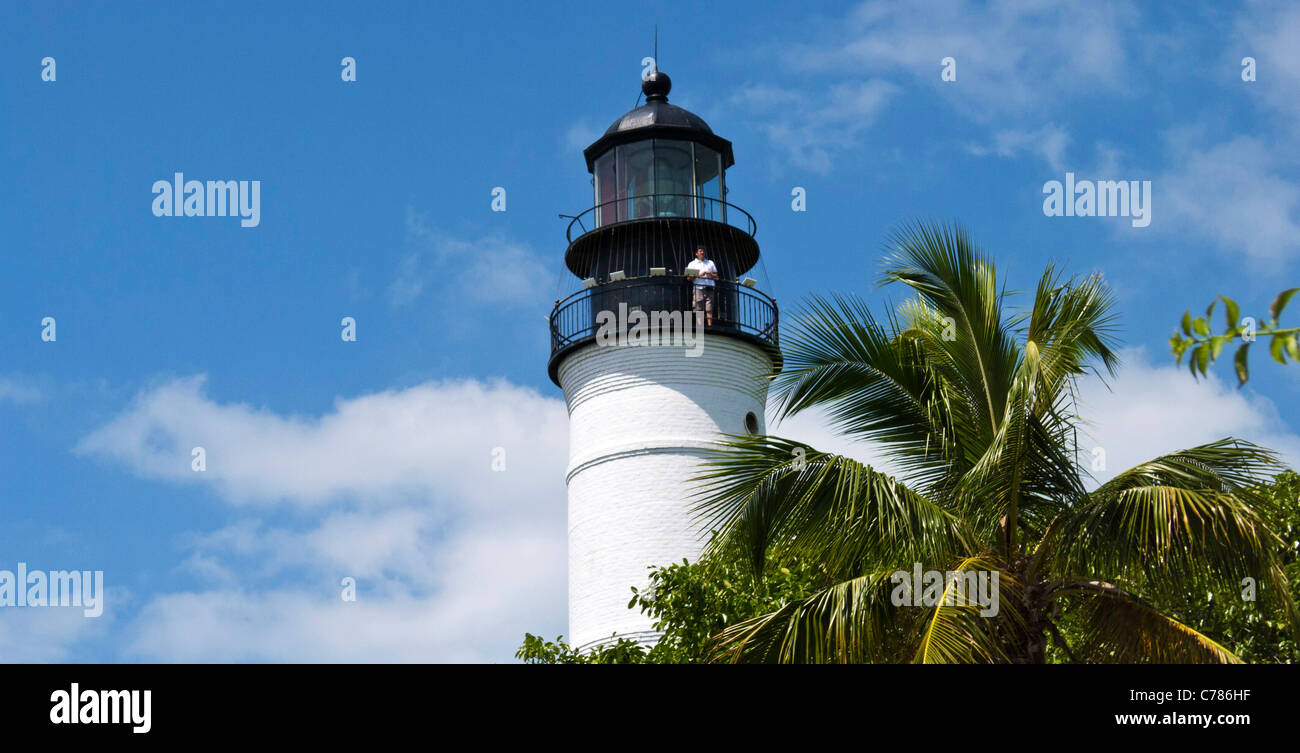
{"x": 641, "y": 415}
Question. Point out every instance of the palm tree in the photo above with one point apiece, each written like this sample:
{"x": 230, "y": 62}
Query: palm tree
{"x": 976, "y": 407}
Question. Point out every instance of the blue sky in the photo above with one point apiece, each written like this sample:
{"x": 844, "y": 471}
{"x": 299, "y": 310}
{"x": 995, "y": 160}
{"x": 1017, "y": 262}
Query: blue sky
{"x": 371, "y": 459}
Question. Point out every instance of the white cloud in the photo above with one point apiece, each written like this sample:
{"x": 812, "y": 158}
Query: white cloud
{"x": 1233, "y": 192}
{"x": 487, "y": 586}
{"x": 16, "y": 392}
{"x": 1238, "y": 195}
{"x": 1008, "y": 53}
{"x": 1270, "y": 33}
{"x": 490, "y": 270}
{"x": 1151, "y": 409}
{"x": 579, "y": 136}
{"x": 813, "y": 127}
{"x": 815, "y": 428}
{"x": 453, "y": 561}
{"x": 395, "y": 543}
{"x": 1014, "y": 60}
{"x": 41, "y": 635}
{"x": 1049, "y": 143}
{"x": 432, "y": 440}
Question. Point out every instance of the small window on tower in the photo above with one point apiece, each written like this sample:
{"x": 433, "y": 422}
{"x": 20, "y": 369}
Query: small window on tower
{"x": 751, "y": 423}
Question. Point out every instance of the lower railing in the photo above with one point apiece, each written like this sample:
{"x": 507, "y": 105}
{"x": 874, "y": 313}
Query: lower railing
{"x": 736, "y": 308}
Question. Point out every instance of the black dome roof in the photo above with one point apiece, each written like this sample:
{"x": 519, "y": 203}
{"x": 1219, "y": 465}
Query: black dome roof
{"x": 659, "y": 114}
{"x": 658, "y": 119}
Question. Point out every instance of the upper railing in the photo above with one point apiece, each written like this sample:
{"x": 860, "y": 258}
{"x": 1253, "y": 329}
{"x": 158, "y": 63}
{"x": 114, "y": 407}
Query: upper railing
{"x": 660, "y": 205}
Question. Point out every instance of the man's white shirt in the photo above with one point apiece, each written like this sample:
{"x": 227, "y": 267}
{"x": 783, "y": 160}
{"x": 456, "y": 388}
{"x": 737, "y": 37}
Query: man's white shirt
{"x": 703, "y": 266}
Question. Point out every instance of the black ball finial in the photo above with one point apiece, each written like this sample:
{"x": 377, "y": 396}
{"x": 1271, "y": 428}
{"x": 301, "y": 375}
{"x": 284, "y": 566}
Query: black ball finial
{"x": 656, "y": 86}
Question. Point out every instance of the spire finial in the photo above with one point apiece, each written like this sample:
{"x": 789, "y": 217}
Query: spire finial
{"x": 656, "y": 86}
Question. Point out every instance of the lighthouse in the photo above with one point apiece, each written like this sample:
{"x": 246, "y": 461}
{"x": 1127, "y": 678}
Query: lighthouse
{"x": 644, "y": 410}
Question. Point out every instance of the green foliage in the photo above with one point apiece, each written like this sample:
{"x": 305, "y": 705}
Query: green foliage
{"x": 690, "y": 603}
{"x": 537, "y": 650}
{"x": 1255, "y": 630}
{"x": 1197, "y": 341}
{"x": 976, "y": 405}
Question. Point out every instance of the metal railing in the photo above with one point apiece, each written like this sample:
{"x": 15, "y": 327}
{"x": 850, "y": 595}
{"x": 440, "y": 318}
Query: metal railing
{"x": 736, "y": 308}
{"x": 665, "y": 205}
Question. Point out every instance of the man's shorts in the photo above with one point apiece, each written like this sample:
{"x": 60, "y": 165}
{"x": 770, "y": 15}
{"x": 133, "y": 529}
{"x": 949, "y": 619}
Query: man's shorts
{"x": 704, "y": 298}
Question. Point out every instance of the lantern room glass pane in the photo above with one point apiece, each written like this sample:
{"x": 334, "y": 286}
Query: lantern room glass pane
{"x": 673, "y": 178}
{"x": 607, "y": 204}
{"x": 708, "y": 183}
{"x": 659, "y": 178}
{"x": 635, "y": 169}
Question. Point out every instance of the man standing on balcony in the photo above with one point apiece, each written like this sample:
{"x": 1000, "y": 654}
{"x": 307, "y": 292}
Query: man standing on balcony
{"x": 706, "y": 273}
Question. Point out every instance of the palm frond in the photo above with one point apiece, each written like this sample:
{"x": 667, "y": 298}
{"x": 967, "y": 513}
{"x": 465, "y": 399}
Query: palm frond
{"x": 1071, "y": 325}
{"x": 1119, "y": 628}
{"x": 850, "y": 622}
{"x": 957, "y": 632}
{"x": 944, "y": 267}
{"x": 874, "y": 384}
{"x": 1228, "y": 464}
{"x": 766, "y": 492}
{"x": 1186, "y": 518}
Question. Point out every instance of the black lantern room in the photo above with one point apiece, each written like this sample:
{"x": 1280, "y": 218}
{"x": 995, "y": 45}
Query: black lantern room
{"x": 660, "y": 191}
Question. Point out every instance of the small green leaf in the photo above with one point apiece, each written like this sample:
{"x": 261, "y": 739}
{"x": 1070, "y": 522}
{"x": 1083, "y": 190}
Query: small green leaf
{"x": 1203, "y": 359}
{"x": 1176, "y": 346}
{"x": 1231, "y": 313}
{"x": 1279, "y": 303}
{"x": 1277, "y": 348}
{"x": 1200, "y": 326}
{"x": 1216, "y": 346}
{"x": 1239, "y": 361}
{"x": 1187, "y": 323}
{"x": 1293, "y": 346}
